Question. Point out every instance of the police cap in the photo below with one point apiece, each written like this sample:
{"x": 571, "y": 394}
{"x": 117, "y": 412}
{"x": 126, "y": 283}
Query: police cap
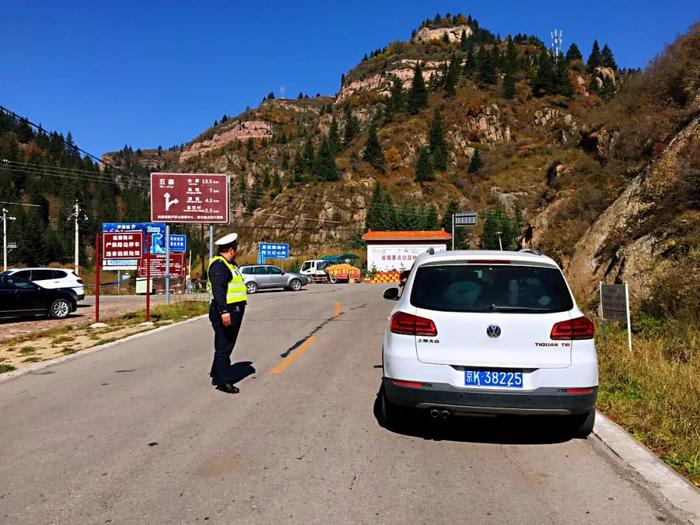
{"x": 227, "y": 241}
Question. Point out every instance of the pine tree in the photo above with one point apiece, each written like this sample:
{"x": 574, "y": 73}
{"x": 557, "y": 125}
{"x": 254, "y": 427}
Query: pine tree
{"x": 334, "y": 137}
{"x": 509, "y": 84}
{"x": 396, "y": 102}
{"x": 309, "y": 156}
{"x": 464, "y": 41}
{"x": 607, "y": 58}
{"x": 418, "y": 95}
{"x": 277, "y": 187}
{"x": 432, "y": 221}
{"x": 562, "y": 84}
{"x": 608, "y": 90}
{"x": 470, "y": 63}
{"x": 595, "y": 59}
{"x": 381, "y": 214}
{"x": 452, "y": 76}
{"x": 242, "y": 190}
{"x": 573, "y": 53}
{"x": 476, "y": 163}
{"x": 511, "y": 57}
{"x": 324, "y": 166}
{"x": 424, "y": 166}
{"x": 352, "y": 127}
{"x": 438, "y": 146}
{"x": 487, "y": 73}
{"x": 544, "y": 82}
{"x": 373, "y": 150}
{"x": 267, "y": 180}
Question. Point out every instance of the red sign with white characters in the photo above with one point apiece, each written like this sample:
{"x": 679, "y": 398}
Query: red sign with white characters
{"x": 122, "y": 245}
{"x": 157, "y": 262}
{"x": 190, "y": 197}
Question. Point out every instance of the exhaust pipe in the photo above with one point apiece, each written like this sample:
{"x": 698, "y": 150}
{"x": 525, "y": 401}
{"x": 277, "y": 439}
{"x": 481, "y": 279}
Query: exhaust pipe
{"x": 444, "y": 414}
{"x": 434, "y": 413}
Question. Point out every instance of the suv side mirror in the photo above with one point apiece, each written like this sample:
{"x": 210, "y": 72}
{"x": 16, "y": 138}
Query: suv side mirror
{"x": 391, "y": 294}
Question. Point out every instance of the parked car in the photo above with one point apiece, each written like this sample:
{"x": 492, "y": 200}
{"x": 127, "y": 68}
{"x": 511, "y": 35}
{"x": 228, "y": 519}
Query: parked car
{"x": 479, "y": 332}
{"x": 265, "y": 276}
{"x": 52, "y": 278}
{"x": 21, "y": 297}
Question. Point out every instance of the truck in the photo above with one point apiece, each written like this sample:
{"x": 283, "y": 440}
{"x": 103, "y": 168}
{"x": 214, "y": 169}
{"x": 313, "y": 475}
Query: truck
{"x": 322, "y": 271}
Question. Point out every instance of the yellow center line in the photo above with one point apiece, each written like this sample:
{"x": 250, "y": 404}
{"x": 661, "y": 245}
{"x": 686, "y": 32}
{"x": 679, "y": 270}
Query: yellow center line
{"x": 338, "y": 308}
{"x": 294, "y": 355}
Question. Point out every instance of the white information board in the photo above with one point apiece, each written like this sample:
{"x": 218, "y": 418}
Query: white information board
{"x": 390, "y": 257}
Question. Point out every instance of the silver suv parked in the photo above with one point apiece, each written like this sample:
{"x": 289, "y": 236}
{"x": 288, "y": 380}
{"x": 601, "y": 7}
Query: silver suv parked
{"x": 264, "y": 276}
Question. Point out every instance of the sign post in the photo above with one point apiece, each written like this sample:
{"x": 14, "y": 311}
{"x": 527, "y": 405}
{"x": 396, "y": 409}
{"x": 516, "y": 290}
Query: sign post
{"x": 148, "y": 279}
{"x": 614, "y": 306}
{"x": 167, "y": 264}
{"x": 462, "y": 219}
{"x": 97, "y": 277}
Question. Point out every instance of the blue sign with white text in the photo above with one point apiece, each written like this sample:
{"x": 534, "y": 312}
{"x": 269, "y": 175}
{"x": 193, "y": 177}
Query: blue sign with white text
{"x": 272, "y": 250}
{"x": 178, "y": 242}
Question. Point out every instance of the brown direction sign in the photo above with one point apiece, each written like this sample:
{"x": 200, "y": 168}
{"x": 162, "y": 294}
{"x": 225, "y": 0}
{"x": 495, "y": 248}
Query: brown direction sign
{"x": 122, "y": 245}
{"x": 157, "y": 263}
{"x": 190, "y": 197}
{"x": 613, "y": 300}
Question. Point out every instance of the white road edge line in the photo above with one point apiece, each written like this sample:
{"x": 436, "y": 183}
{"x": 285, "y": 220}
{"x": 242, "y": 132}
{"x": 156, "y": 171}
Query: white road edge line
{"x": 680, "y": 492}
{"x": 9, "y": 376}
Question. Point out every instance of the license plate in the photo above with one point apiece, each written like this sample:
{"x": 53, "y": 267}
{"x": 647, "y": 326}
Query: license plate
{"x": 493, "y": 378}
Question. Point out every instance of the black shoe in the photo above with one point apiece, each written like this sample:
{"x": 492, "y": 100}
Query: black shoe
{"x": 228, "y": 388}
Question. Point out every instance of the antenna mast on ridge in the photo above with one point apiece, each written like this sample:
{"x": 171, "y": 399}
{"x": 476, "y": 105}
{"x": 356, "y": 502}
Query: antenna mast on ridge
{"x": 557, "y": 43}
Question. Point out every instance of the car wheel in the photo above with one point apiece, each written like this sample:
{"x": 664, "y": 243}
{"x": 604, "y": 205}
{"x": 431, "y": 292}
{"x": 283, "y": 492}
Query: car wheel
{"x": 59, "y": 309}
{"x": 295, "y": 285}
{"x": 251, "y": 287}
{"x": 582, "y": 424}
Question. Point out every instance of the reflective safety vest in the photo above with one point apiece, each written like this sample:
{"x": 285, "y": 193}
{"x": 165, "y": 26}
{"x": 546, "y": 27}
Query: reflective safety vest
{"x": 236, "y": 291}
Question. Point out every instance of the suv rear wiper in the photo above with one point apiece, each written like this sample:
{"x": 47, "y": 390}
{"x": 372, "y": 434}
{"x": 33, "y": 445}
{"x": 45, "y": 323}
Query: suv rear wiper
{"x": 500, "y": 308}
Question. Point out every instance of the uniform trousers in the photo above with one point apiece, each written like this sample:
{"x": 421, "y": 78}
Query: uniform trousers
{"x": 224, "y": 341}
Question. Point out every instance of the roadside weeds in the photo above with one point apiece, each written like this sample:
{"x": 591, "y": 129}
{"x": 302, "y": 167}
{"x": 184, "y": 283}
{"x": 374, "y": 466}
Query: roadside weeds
{"x": 654, "y": 392}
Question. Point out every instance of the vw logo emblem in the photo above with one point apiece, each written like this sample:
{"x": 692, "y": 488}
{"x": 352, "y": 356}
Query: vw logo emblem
{"x": 493, "y": 331}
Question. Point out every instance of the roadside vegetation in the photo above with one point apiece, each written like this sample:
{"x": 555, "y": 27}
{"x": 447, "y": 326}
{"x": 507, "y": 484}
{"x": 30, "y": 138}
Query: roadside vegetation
{"x": 18, "y": 352}
{"x": 654, "y": 392}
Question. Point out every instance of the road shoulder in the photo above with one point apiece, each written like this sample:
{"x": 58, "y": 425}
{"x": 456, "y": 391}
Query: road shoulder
{"x": 672, "y": 486}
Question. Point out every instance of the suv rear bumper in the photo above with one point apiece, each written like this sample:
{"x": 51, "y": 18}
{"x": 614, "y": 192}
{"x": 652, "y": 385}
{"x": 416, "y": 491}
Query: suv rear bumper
{"x": 544, "y": 401}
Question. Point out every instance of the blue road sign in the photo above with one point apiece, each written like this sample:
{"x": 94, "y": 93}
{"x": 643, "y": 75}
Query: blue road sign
{"x": 272, "y": 250}
{"x": 178, "y": 242}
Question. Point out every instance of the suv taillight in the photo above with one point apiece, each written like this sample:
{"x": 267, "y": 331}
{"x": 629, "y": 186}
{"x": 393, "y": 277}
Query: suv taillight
{"x": 408, "y": 324}
{"x": 579, "y": 328}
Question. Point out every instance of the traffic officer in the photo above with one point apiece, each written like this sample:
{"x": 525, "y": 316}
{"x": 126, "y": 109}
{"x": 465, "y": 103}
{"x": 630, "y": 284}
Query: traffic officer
{"x": 227, "y": 296}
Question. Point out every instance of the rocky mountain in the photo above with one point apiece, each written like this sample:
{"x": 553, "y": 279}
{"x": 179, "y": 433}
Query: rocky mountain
{"x": 599, "y": 165}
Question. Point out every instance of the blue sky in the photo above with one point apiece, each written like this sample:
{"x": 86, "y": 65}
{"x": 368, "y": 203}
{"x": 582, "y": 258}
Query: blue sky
{"x": 158, "y": 73}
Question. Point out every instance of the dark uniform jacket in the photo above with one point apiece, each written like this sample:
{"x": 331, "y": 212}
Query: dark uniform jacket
{"x": 220, "y": 275}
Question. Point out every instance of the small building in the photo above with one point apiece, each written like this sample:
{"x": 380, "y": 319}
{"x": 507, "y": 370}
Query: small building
{"x": 391, "y": 251}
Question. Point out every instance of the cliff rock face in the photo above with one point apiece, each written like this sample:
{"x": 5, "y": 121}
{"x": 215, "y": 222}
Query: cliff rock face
{"x": 240, "y": 131}
{"x": 624, "y": 242}
{"x": 454, "y": 34}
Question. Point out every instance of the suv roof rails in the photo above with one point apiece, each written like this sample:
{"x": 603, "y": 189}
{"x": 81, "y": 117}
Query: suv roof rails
{"x": 530, "y": 250}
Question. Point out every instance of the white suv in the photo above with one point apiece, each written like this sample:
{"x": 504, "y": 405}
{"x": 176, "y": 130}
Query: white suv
{"x": 52, "y": 278}
{"x": 484, "y": 332}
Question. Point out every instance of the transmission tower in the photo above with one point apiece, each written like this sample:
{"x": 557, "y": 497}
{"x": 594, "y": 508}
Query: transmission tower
{"x": 557, "y": 42}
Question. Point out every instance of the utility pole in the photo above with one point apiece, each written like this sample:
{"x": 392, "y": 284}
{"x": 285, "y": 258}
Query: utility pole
{"x": 500, "y": 244}
{"x": 76, "y": 217}
{"x": 5, "y": 218}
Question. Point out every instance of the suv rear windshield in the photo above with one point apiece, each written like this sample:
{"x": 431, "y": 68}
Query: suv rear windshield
{"x": 483, "y": 288}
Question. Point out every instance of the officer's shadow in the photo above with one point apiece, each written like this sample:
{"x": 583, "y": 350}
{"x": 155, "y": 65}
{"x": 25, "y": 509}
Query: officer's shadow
{"x": 239, "y": 371}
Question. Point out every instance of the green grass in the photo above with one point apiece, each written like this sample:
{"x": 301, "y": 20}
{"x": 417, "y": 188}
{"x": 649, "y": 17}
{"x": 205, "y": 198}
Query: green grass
{"x": 32, "y": 360}
{"x": 6, "y": 368}
{"x": 654, "y": 392}
{"x": 27, "y": 350}
{"x": 68, "y": 350}
{"x": 62, "y": 339}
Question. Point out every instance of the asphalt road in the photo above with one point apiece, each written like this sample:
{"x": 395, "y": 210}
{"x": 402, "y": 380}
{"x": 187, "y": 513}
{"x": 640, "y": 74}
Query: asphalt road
{"x": 136, "y": 434}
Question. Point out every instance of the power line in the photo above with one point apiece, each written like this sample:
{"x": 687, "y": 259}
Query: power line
{"x": 19, "y": 118}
